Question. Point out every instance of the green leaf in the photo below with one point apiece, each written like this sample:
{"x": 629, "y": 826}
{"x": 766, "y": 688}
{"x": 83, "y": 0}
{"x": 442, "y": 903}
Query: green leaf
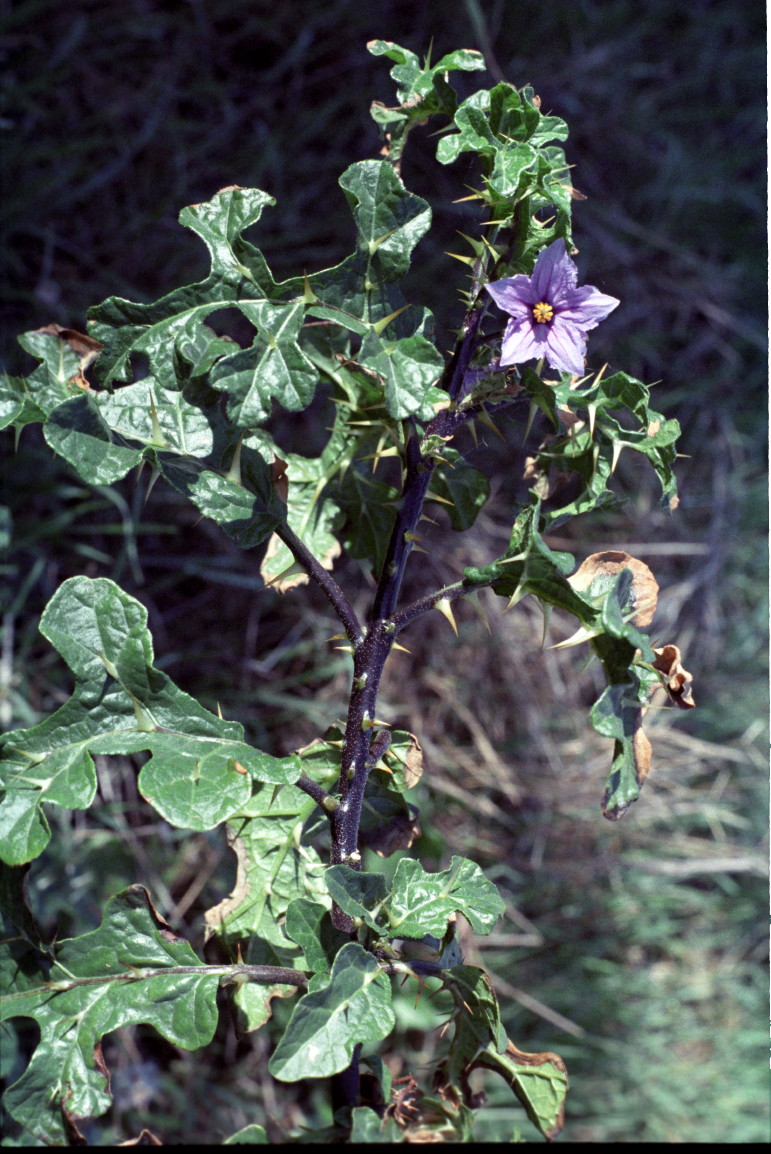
{"x": 248, "y": 511}
{"x": 505, "y": 128}
{"x": 530, "y": 566}
{"x": 353, "y": 1007}
{"x": 388, "y": 823}
{"x": 368, "y": 504}
{"x": 220, "y": 222}
{"x": 414, "y": 80}
{"x": 277, "y": 865}
{"x": 200, "y": 767}
{"x": 592, "y": 450}
{"x": 238, "y": 273}
{"x": 422, "y": 903}
{"x": 368, "y": 1128}
{"x": 511, "y": 165}
{"x": 49, "y": 384}
{"x": 273, "y": 368}
{"x": 133, "y": 969}
{"x": 253, "y": 1003}
{"x": 389, "y": 221}
{"x": 357, "y": 893}
{"x": 310, "y": 925}
{"x": 477, "y": 1019}
{"x": 251, "y": 1135}
{"x": 538, "y": 1080}
{"x": 421, "y": 92}
{"x": 311, "y": 512}
{"x": 158, "y": 418}
{"x": 16, "y": 407}
{"x": 409, "y": 368}
{"x": 77, "y": 431}
{"x": 462, "y": 485}
{"x": 617, "y": 714}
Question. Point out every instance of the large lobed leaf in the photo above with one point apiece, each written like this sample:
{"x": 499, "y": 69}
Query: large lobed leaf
{"x": 132, "y": 969}
{"x": 200, "y": 770}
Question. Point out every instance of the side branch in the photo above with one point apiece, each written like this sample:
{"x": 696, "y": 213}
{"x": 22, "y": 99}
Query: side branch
{"x": 426, "y": 603}
{"x": 324, "y": 580}
{"x": 327, "y": 802}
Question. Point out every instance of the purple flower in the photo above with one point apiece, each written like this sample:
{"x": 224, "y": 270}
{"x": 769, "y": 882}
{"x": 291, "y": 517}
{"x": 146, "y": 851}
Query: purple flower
{"x": 548, "y": 314}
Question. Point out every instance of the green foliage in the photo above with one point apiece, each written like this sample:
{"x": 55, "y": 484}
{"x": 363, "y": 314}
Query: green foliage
{"x": 343, "y": 1009}
{"x": 199, "y": 770}
{"x": 134, "y": 968}
{"x": 205, "y": 412}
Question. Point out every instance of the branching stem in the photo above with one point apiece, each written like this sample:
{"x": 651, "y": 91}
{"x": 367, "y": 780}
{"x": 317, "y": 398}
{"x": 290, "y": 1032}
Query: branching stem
{"x": 324, "y": 580}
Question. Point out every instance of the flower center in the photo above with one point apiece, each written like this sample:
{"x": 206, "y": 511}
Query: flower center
{"x": 543, "y": 312}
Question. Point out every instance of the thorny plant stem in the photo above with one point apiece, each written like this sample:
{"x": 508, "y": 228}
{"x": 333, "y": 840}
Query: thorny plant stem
{"x": 370, "y": 650}
{"x": 370, "y": 657}
{"x": 328, "y": 803}
{"x": 324, "y": 580}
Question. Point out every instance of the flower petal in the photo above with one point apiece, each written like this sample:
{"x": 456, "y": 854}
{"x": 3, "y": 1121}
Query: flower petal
{"x": 587, "y": 306}
{"x": 554, "y": 274}
{"x": 513, "y": 294}
{"x": 520, "y": 343}
{"x": 566, "y": 346}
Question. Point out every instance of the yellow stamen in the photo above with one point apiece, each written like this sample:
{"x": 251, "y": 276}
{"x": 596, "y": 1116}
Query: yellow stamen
{"x": 543, "y": 312}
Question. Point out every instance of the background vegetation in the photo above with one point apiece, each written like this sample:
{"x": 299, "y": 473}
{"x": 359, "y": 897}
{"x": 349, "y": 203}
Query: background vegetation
{"x": 635, "y": 949}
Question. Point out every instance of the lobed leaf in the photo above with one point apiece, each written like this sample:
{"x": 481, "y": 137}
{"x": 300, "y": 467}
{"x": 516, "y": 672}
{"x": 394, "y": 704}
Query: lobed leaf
{"x": 248, "y": 509}
{"x": 309, "y": 924}
{"x": 361, "y": 895}
{"x": 200, "y": 768}
{"x": 277, "y": 865}
{"x": 410, "y": 369}
{"x": 539, "y": 1081}
{"x": 78, "y": 432}
{"x": 421, "y": 91}
{"x": 132, "y": 969}
{"x": 464, "y": 487}
{"x": 273, "y": 368}
{"x": 312, "y": 513}
{"x": 238, "y": 273}
{"x": 422, "y": 903}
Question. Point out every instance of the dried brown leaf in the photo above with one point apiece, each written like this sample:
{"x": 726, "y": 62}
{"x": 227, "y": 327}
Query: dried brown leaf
{"x": 644, "y": 591}
{"x": 678, "y": 679}
{"x": 643, "y": 750}
{"x": 86, "y": 348}
{"x": 80, "y": 343}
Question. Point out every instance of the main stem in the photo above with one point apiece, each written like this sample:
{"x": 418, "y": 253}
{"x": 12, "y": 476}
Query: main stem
{"x": 371, "y": 652}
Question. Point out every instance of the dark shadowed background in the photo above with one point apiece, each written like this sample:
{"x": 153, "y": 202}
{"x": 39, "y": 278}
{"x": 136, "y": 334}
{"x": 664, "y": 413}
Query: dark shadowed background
{"x": 635, "y": 950}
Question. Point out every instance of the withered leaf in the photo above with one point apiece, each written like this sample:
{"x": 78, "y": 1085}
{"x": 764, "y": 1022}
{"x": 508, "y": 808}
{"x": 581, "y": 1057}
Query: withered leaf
{"x": 644, "y": 590}
{"x": 642, "y": 752}
{"x": 80, "y": 343}
{"x": 214, "y": 917}
{"x": 144, "y": 1138}
{"x": 678, "y": 680}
